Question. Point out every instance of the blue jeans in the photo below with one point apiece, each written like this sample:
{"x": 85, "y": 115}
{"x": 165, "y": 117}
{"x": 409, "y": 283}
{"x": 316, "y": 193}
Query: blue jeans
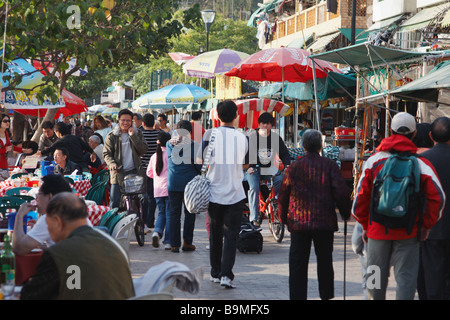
{"x": 114, "y": 196}
{"x": 253, "y": 192}
{"x": 175, "y": 207}
{"x": 163, "y": 220}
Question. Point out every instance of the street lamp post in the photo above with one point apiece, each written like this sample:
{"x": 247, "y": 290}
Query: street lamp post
{"x": 208, "y": 18}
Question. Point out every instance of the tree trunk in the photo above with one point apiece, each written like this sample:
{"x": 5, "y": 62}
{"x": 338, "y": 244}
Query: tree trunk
{"x": 18, "y": 126}
{"x": 49, "y": 116}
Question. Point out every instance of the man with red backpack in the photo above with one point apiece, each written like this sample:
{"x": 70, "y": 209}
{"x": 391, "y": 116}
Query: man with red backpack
{"x": 390, "y": 244}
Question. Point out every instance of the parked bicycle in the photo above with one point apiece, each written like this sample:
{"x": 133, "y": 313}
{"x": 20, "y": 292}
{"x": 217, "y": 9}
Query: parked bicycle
{"x": 132, "y": 199}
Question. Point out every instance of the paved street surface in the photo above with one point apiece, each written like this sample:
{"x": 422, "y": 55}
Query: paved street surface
{"x": 261, "y": 276}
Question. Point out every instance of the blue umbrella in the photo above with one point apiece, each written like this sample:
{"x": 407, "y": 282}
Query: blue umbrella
{"x": 174, "y": 96}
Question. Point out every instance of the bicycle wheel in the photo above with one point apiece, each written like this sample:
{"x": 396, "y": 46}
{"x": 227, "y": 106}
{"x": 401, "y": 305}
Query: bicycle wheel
{"x": 139, "y": 228}
{"x": 275, "y": 225}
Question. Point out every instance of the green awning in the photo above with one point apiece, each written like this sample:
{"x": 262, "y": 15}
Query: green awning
{"x": 422, "y": 18}
{"x": 427, "y": 87}
{"x": 365, "y": 55}
{"x": 322, "y": 42}
{"x": 110, "y": 89}
{"x": 268, "y": 7}
{"x": 292, "y": 90}
{"x": 347, "y": 32}
{"x": 299, "y": 43}
{"x": 386, "y": 24}
{"x": 331, "y": 86}
{"x": 269, "y": 90}
{"x": 299, "y": 90}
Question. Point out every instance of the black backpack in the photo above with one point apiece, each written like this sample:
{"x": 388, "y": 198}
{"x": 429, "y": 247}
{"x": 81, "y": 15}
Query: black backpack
{"x": 396, "y": 200}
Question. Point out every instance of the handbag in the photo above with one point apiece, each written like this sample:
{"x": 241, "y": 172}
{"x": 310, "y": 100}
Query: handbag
{"x": 196, "y": 192}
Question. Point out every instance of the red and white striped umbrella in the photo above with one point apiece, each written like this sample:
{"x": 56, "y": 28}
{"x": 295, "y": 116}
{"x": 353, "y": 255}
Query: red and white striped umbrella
{"x": 250, "y": 109}
{"x": 268, "y": 105}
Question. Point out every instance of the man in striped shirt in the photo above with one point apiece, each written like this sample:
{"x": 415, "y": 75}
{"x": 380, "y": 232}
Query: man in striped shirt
{"x": 150, "y": 136}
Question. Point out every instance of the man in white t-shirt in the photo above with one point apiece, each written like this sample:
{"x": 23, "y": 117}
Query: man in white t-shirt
{"x": 38, "y": 235}
{"x": 226, "y": 174}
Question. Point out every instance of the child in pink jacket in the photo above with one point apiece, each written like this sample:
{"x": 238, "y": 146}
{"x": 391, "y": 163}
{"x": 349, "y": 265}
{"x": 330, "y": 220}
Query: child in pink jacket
{"x": 157, "y": 170}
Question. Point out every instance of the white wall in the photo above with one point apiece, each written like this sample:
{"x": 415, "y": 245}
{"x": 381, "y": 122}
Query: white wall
{"x": 427, "y": 3}
{"x": 384, "y": 9}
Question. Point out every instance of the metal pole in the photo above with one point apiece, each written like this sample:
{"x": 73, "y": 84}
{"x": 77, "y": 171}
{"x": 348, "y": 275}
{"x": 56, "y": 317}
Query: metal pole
{"x": 353, "y": 23}
{"x": 316, "y": 97}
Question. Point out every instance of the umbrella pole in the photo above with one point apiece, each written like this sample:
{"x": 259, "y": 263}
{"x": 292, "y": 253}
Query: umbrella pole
{"x": 295, "y": 123}
{"x": 316, "y": 97}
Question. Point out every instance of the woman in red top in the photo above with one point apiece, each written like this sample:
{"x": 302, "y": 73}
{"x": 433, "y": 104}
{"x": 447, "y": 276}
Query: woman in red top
{"x": 5, "y": 143}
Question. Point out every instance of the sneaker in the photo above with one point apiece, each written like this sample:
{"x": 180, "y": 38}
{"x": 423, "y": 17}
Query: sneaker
{"x": 167, "y": 246}
{"x": 147, "y": 230}
{"x": 256, "y": 224}
{"x": 227, "y": 283}
{"x": 155, "y": 239}
{"x": 214, "y": 280}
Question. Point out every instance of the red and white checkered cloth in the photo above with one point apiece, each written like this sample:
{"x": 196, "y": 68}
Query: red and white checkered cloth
{"x": 96, "y": 213}
{"x": 82, "y": 187}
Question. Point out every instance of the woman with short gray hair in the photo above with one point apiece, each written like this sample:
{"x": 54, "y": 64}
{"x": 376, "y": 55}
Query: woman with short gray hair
{"x": 312, "y": 188}
{"x": 312, "y": 140}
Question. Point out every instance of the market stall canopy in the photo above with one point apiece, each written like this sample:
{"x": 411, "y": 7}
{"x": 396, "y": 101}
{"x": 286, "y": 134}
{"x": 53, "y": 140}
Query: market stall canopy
{"x": 422, "y": 18}
{"x": 173, "y": 96}
{"x": 366, "y": 55}
{"x": 427, "y": 87}
{"x": 332, "y": 86}
{"x": 280, "y": 64}
{"x": 208, "y": 64}
{"x": 180, "y": 57}
{"x": 72, "y": 105}
{"x": 263, "y": 9}
{"x": 110, "y": 111}
{"x": 98, "y": 108}
{"x": 250, "y": 109}
{"x": 295, "y": 90}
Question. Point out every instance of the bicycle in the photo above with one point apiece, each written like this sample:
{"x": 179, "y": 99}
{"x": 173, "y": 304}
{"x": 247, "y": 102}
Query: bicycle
{"x": 268, "y": 207}
{"x": 132, "y": 199}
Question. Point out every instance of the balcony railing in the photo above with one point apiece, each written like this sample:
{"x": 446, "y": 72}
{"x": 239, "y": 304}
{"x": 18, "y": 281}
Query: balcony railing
{"x": 305, "y": 19}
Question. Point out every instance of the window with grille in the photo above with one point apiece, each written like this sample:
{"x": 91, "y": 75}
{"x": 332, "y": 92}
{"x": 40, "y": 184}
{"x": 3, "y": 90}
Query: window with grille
{"x": 361, "y": 7}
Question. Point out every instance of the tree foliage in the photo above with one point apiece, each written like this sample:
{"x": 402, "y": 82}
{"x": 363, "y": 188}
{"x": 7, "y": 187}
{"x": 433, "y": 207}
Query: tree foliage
{"x": 224, "y": 33}
{"x": 96, "y": 33}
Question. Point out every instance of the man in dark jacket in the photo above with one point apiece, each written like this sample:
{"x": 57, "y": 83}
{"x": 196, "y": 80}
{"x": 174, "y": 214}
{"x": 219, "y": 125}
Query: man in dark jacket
{"x": 436, "y": 249}
{"x": 181, "y": 154}
{"x": 83, "y": 264}
{"x": 312, "y": 188}
{"x": 264, "y": 146}
{"x": 76, "y": 146}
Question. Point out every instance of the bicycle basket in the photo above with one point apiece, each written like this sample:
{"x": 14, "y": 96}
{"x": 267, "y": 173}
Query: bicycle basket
{"x": 133, "y": 183}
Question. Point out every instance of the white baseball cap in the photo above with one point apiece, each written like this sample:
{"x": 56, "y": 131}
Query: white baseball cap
{"x": 403, "y": 119}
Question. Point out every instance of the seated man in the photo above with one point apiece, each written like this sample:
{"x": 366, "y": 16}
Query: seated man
{"x": 48, "y": 136}
{"x": 63, "y": 165}
{"x": 38, "y": 235}
{"x": 263, "y": 146}
{"x": 83, "y": 264}
{"x": 96, "y": 143}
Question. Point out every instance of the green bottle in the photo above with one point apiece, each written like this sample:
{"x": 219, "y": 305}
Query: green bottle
{"x": 8, "y": 266}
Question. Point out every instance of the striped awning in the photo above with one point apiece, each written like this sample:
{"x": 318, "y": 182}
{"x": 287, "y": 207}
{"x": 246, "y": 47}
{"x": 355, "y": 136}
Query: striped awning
{"x": 268, "y": 105}
{"x": 322, "y": 42}
{"x": 422, "y": 18}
